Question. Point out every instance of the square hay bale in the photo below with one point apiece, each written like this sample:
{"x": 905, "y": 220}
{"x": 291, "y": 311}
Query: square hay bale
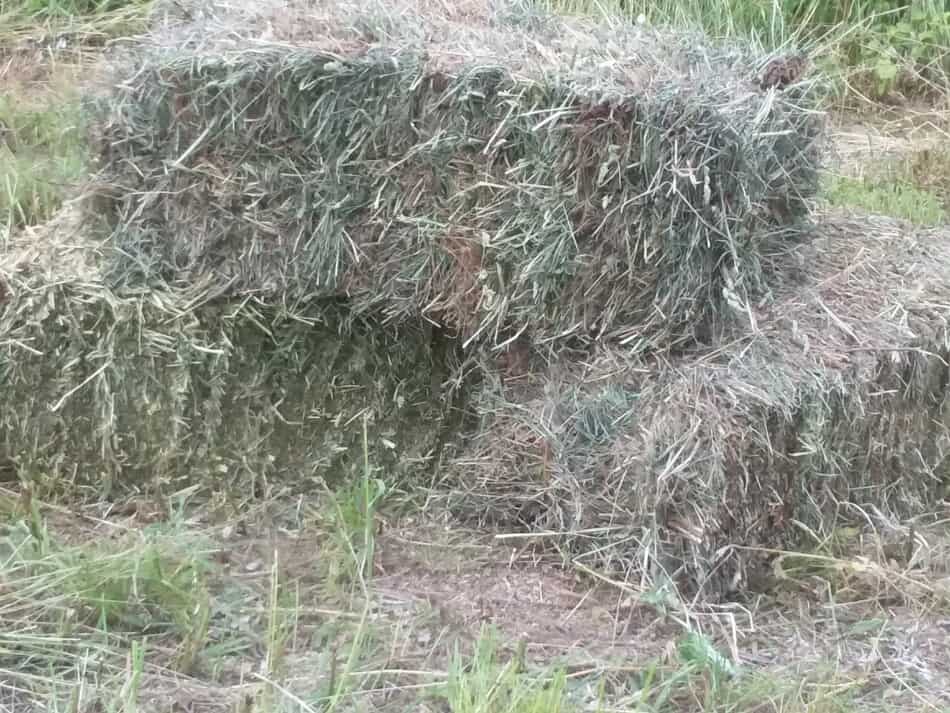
{"x": 499, "y": 173}
{"x": 180, "y": 385}
{"x": 834, "y": 408}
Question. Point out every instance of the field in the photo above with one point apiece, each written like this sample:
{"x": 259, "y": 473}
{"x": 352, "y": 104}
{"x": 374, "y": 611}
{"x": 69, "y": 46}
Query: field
{"x": 216, "y": 497}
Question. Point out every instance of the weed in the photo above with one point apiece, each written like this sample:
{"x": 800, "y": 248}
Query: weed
{"x": 906, "y": 49}
{"x": 127, "y": 700}
{"x": 351, "y": 526}
{"x": 895, "y": 197}
{"x": 485, "y": 685}
{"x": 280, "y": 627}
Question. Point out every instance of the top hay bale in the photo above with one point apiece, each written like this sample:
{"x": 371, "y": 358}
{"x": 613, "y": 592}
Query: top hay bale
{"x": 497, "y": 172}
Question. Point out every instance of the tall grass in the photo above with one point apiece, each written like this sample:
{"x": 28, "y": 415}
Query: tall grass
{"x": 81, "y": 23}
{"x": 765, "y": 21}
{"x": 774, "y": 20}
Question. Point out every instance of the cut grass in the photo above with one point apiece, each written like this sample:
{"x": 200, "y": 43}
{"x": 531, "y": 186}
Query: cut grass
{"x": 144, "y": 586}
{"x": 694, "y": 677}
{"x": 367, "y": 656}
{"x": 575, "y": 252}
{"x": 74, "y": 613}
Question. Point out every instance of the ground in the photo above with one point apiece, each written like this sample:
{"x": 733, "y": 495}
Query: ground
{"x": 276, "y": 607}
{"x": 349, "y": 602}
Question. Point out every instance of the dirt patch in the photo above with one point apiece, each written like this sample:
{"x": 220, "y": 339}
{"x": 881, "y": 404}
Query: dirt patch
{"x": 553, "y": 611}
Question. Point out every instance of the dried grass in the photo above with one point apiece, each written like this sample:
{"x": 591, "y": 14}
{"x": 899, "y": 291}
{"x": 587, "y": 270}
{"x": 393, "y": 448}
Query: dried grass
{"x": 155, "y": 386}
{"x": 497, "y": 171}
{"x": 280, "y": 215}
{"x": 834, "y": 408}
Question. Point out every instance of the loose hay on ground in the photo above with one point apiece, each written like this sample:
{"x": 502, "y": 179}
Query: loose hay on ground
{"x": 833, "y": 408}
{"x": 557, "y": 178}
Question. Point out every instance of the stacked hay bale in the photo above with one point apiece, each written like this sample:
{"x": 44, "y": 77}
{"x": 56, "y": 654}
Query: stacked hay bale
{"x": 154, "y": 386}
{"x": 615, "y": 211}
{"x": 833, "y": 408}
{"x": 559, "y": 180}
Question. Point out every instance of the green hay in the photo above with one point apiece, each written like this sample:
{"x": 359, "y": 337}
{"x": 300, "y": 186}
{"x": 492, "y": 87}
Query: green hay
{"x": 562, "y": 180}
{"x": 160, "y": 386}
{"x": 833, "y": 408}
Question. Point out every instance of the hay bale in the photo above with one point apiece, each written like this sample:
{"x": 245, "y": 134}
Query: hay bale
{"x": 834, "y": 408}
{"x": 498, "y": 174}
{"x": 160, "y": 386}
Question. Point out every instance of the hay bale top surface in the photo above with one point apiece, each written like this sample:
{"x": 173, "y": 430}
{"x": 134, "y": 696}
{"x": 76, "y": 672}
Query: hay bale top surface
{"x": 615, "y": 56}
{"x": 870, "y": 286}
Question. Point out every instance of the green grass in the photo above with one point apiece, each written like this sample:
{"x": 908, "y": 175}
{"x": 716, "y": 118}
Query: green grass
{"x": 143, "y": 586}
{"x": 41, "y": 156}
{"x": 65, "y": 605}
{"x": 483, "y": 684}
{"x": 897, "y": 198}
{"x": 348, "y": 517}
{"x": 697, "y": 677}
{"x": 82, "y": 23}
{"x": 123, "y": 617}
{"x": 62, "y": 9}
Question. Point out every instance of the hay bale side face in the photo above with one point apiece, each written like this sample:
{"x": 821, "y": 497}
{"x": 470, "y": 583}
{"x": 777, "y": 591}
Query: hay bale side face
{"x": 169, "y": 385}
{"x": 491, "y": 201}
{"x": 836, "y": 410}
{"x": 688, "y": 484}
